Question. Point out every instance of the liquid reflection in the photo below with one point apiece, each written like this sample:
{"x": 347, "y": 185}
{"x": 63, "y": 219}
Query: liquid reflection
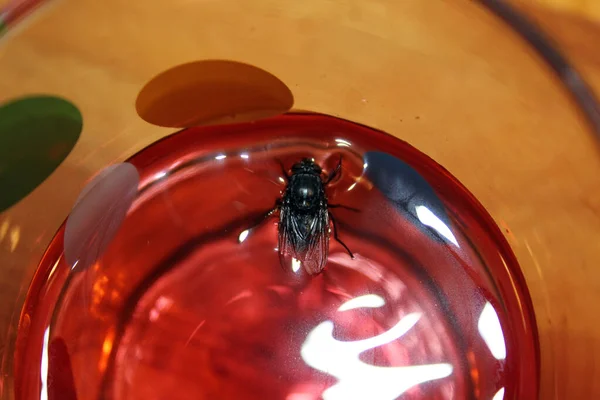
{"x": 491, "y": 332}
{"x": 499, "y": 395}
{"x": 408, "y": 192}
{"x": 301, "y": 396}
{"x": 429, "y": 219}
{"x": 243, "y": 235}
{"x": 343, "y": 143}
{"x": 160, "y": 175}
{"x": 162, "y": 304}
{"x": 56, "y": 371}
{"x": 368, "y": 300}
{"x": 357, "y": 379}
{"x": 296, "y": 264}
{"x": 44, "y": 366}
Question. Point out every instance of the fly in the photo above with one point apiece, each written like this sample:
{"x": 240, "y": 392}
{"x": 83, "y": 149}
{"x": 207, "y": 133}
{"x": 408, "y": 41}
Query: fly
{"x": 305, "y": 216}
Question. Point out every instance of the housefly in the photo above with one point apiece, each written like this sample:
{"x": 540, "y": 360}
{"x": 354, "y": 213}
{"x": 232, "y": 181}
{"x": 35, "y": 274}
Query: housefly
{"x": 305, "y": 216}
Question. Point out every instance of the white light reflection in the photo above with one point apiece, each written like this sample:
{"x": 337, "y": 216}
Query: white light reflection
{"x": 352, "y": 186}
{"x": 491, "y": 331}
{"x": 343, "y": 143}
{"x": 368, "y": 300}
{"x": 221, "y": 157}
{"x": 300, "y": 396}
{"x": 44, "y": 366}
{"x": 162, "y": 304}
{"x": 281, "y": 179}
{"x": 243, "y": 235}
{"x": 296, "y": 264}
{"x": 358, "y": 380}
{"x": 499, "y": 395}
{"x": 244, "y": 156}
{"x": 430, "y": 219}
{"x": 160, "y": 175}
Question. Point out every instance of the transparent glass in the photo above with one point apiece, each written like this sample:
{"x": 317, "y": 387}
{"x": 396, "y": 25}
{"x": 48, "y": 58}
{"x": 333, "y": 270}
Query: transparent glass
{"x": 453, "y": 293}
{"x": 190, "y": 297}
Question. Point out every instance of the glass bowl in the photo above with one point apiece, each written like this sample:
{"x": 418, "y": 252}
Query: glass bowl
{"x": 451, "y": 81}
{"x": 192, "y": 296}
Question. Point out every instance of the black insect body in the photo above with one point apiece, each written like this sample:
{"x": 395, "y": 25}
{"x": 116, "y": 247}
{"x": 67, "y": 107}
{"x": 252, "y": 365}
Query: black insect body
{"x": 305, "y": 217}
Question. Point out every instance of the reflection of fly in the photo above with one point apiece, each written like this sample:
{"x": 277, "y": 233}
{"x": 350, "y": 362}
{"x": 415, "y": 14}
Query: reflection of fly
{"x": 304, "y": 217}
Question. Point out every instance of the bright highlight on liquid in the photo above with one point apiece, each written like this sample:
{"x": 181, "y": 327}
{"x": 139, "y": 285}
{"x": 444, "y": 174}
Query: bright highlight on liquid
{"x": 343, "y": 143}
{"x": 366, "y": 301}
{"x": 243, "y": 236}
{"x": 499, "y": 395}
{"x": 491, "y": 332}
{"x": 296, "y": 264}
{"x": 44, "y": 366}
{"x": 160, "y": 175}
{"x": 357, "y": 380}
{"x": 431, "y": 220}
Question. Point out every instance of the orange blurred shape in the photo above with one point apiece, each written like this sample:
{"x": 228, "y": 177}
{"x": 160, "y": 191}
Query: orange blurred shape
{"x": 211, "y": 92}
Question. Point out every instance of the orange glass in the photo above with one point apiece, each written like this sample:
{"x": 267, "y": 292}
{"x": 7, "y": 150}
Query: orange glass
{"x": 469, "y": 97}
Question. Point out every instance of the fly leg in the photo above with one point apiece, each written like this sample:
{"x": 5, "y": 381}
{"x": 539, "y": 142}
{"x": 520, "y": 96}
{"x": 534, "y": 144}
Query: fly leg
{"x": 335, "y": 235}
{"x": 335, "y": 173}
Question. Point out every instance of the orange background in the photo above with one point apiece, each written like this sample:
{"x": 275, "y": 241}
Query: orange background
{"x": 490, "y": 111}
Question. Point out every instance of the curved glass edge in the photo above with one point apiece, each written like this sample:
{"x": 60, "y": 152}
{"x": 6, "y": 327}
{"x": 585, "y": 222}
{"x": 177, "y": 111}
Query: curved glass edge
{"x": 532, "y": 34}
{"x": 570, "y": 78}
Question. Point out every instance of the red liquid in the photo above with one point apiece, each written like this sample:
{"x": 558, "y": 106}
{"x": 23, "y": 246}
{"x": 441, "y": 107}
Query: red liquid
{"x": 178, "y": 308}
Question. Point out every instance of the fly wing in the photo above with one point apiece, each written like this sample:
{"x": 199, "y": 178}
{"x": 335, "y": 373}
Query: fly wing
{"x": 287, "y": 239}
{"x": 303, "y": 248}
{"x": 317, "y": 249}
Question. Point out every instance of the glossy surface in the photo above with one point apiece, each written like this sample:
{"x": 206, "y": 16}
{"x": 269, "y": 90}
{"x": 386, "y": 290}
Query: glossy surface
{"x": 495, "y": 116}
{"x": 98, "y": 214}
{"x": 186, "y": 303}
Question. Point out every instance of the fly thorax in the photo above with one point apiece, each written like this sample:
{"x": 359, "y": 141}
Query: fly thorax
{"x": 305, "y": 192}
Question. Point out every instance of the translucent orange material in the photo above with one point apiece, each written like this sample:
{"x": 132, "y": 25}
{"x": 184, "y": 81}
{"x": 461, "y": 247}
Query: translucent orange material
{"x": 449, "y": 77}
